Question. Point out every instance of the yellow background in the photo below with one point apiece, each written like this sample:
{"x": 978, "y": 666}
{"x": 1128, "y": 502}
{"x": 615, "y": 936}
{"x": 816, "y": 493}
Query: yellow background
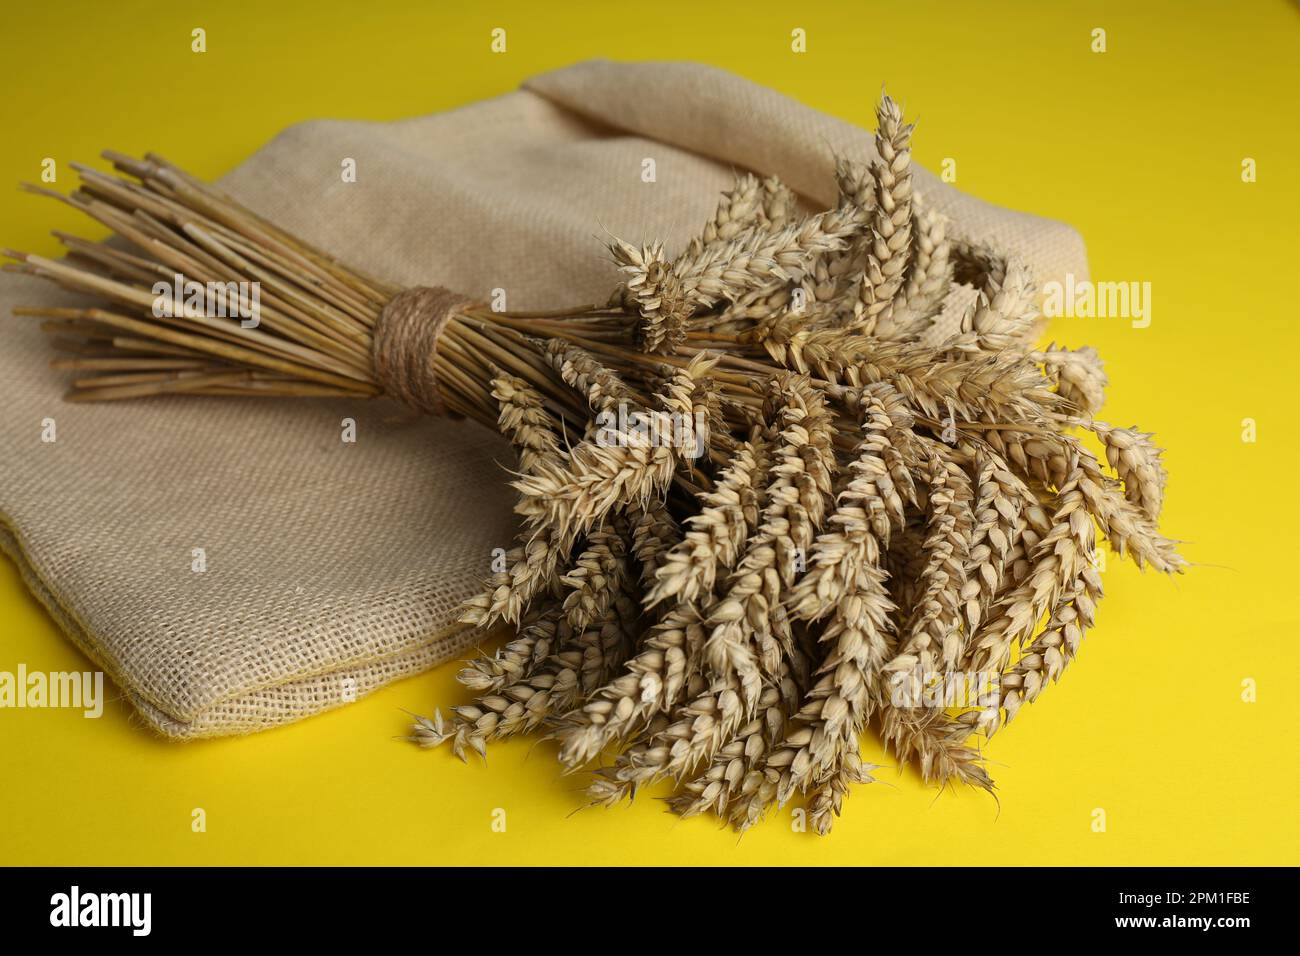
{"x": 1139, "y": 147}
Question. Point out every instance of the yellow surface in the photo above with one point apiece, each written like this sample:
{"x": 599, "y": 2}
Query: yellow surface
{"x": 1140, "y": 147}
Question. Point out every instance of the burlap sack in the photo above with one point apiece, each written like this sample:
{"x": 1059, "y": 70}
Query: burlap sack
{"x": 333, "y": 568}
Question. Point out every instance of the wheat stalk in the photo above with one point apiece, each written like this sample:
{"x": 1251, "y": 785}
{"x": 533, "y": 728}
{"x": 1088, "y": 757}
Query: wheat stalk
{"x": 839, "y": 511}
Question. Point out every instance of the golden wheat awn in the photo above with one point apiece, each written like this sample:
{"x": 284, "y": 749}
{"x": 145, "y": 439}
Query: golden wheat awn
{"x": 758, "y": 518}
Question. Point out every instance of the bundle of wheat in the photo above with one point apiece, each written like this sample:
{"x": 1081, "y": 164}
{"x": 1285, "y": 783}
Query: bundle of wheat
{"x": 757, "y": 514}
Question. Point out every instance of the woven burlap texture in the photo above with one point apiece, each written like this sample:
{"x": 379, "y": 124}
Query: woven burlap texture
{"x": 333, "y": 568}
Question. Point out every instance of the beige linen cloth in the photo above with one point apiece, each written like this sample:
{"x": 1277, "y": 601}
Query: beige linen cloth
{"x": 334, "y": 568}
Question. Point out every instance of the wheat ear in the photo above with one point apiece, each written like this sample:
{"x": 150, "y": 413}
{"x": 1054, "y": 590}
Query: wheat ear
{"x": 749, "y": 627}
{"x": 891, "y": 219}
{"x": 845, "y": 584}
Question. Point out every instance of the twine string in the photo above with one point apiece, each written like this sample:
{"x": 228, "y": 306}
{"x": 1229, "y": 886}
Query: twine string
{"x": 405, "y": 347}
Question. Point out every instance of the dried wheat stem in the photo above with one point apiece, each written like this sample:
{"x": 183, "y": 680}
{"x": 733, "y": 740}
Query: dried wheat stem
{"x": 719, "y": 654}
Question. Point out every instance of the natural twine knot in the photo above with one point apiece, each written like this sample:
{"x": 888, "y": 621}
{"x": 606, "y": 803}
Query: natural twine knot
{"x": 405, "y": 348}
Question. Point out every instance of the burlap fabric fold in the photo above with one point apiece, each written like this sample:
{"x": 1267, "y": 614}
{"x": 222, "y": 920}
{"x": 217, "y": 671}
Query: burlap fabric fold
{"x": 235, "y": 564}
